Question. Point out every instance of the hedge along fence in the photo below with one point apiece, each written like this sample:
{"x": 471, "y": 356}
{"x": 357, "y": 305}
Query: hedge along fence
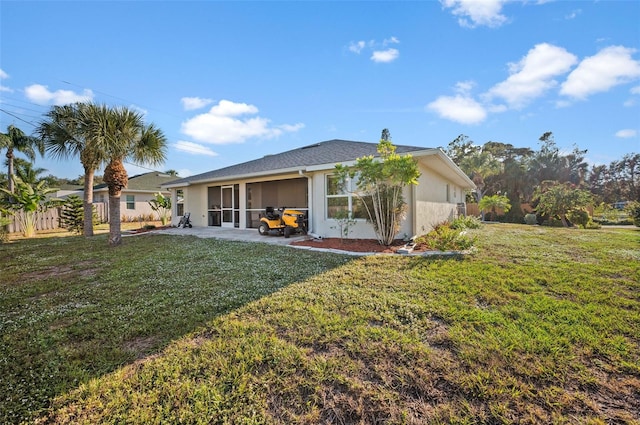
{"x": 50, "y": 219}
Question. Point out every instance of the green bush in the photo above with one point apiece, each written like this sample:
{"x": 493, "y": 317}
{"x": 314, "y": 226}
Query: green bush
{"x": 466, "y": 222}
{"x": 634, "y": 212}
{"x": 579, "y": 217}
{"x": 531, "y": 219}
{"x": 4, "y": 235}
{"x": 553, "y": 222}
{"x": 444, "y": 237}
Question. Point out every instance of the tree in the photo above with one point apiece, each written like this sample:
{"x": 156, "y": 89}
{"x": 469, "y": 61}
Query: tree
{"x": 71, "y": 214}
{"x": 162, "y": 206}
{"x": 27, "y": 200}
{"x": 27, "y": 172}
{"x": 127, "y": 137}
{"x": 477, "y": 163}
{"x": 558, "y": 199}
{"x": 493, "y": 203}
{"x": 16, "y": 141}
{"x": 74, "y": 130}
{"x": 380, "y": 183}
{"x": 513, "y": 179}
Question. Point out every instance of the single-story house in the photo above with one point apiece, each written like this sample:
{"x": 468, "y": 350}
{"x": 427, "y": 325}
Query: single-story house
{"x": 304, "y": 179}
{"x": 134, "y": 200}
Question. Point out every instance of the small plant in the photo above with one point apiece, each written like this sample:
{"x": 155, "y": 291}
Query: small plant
{"x": 531, "y": 219}
{"x": 162, "y": 205}
{"x": 345, "y": 222}
{"x": 27, "y": 200}
{"x": 443, "y": 237}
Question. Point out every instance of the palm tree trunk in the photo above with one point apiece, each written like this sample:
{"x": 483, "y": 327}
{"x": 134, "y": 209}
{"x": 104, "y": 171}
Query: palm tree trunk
{"x": 10, "y": 169}
{"x": 88, "y": 202}
{"x": 115, "y": 233}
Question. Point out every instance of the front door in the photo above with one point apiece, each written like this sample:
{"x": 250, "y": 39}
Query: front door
{"x": 227, "y": 206}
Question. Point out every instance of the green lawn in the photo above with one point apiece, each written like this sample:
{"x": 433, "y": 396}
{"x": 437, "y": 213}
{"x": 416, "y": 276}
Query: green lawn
{"x": 541, "y": 325}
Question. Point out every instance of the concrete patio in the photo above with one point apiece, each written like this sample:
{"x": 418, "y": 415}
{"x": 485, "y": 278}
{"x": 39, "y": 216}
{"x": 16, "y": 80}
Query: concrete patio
{"x": 245, "y": 235}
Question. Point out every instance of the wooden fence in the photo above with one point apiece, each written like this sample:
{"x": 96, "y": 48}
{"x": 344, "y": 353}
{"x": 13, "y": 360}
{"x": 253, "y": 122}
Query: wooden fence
{"x": 50, "y": 219}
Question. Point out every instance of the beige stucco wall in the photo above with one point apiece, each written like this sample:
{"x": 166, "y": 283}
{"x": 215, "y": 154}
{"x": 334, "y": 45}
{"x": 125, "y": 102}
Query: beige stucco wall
{"x": 427, "y": 204}
{"x": 431, "y": 205}
{"x": 328, "y": 228}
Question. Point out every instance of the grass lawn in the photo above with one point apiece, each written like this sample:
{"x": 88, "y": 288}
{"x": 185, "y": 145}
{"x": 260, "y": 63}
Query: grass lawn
{"x": 541, "y": 325}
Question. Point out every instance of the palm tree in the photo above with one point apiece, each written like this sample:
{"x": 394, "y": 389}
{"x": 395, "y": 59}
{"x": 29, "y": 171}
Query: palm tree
{"x": 69, "y": 131}
{"x": 16, "y": 141}
{"x": 493, "y": 203}
{"x": 127, "y": 137}
{"x": 27, "y": 172}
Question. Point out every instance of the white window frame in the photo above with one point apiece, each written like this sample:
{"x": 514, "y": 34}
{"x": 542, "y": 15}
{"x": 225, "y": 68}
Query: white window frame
{"x": 351, "y": 196}
{"x": 132, "y": 201}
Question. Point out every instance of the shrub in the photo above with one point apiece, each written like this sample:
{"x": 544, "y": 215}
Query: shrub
{"x": 443, "y": 237}
{"x": 468, "y": 222}
{"x": 579, "y": 217}
{"x": 592, "y": 225}
{"x": 634, "y": 212}
{"x": 553, "y": 222}
{"x": 4, "y": 235}
{"x": 531, "y": 219}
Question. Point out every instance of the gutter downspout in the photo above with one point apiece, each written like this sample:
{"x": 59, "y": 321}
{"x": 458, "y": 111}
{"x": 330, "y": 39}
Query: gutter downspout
{"x": 309, "y": 198}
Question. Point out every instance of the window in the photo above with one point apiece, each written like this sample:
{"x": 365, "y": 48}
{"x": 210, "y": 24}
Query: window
{"x": 131, "y": 202}
{"x": 339, "y": 199}
{"x": 448, "y": 193}
{"x": 180, "y": 202}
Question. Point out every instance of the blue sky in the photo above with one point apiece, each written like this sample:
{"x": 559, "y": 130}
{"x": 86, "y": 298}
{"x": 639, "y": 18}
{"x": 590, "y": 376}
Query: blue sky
{"x": 229, "y": 82}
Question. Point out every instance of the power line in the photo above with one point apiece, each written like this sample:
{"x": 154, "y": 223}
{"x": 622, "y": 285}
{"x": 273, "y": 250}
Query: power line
{"x": 17, "y": 117}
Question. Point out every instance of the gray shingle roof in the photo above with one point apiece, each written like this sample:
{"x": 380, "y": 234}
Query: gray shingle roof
{"x": 328, "y": 152}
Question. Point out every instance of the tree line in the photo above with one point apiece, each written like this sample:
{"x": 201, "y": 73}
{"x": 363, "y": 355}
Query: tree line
{"x": 522, "y": 174}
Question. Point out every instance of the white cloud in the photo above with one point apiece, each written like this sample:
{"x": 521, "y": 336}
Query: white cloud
{"x": 392, "y": 40}
{"x": 608, "y": 68}
{"x": 635, "y": 90}
{"x": 573, "y": 14}
{"x": 626, "y": 133}
{"x": 385, "y": 56}
{"x": 379, "y": 51}
{"x": 474, "y": 13}
{"x": 193, "y": 148}
{"x": 41, "y": 95}
{"x": 356, "y": 46}
{"x": 459, "y": 108}
{"x": 533, "y": 75}
{"x": 226, "y": 123}
{"x": 4, "y": 76}
{"x": 191, "y": 103}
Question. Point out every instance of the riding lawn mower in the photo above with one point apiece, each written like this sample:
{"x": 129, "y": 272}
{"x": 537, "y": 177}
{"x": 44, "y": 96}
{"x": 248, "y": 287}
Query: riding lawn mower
{"x": 286, "y": 222}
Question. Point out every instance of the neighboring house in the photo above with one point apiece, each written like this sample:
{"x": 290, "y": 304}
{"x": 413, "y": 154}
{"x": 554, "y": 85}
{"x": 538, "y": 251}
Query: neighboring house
{"x": 68, "y": 190}
{"x": 304, "y": 179}
{"x": 134, "y": 201}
